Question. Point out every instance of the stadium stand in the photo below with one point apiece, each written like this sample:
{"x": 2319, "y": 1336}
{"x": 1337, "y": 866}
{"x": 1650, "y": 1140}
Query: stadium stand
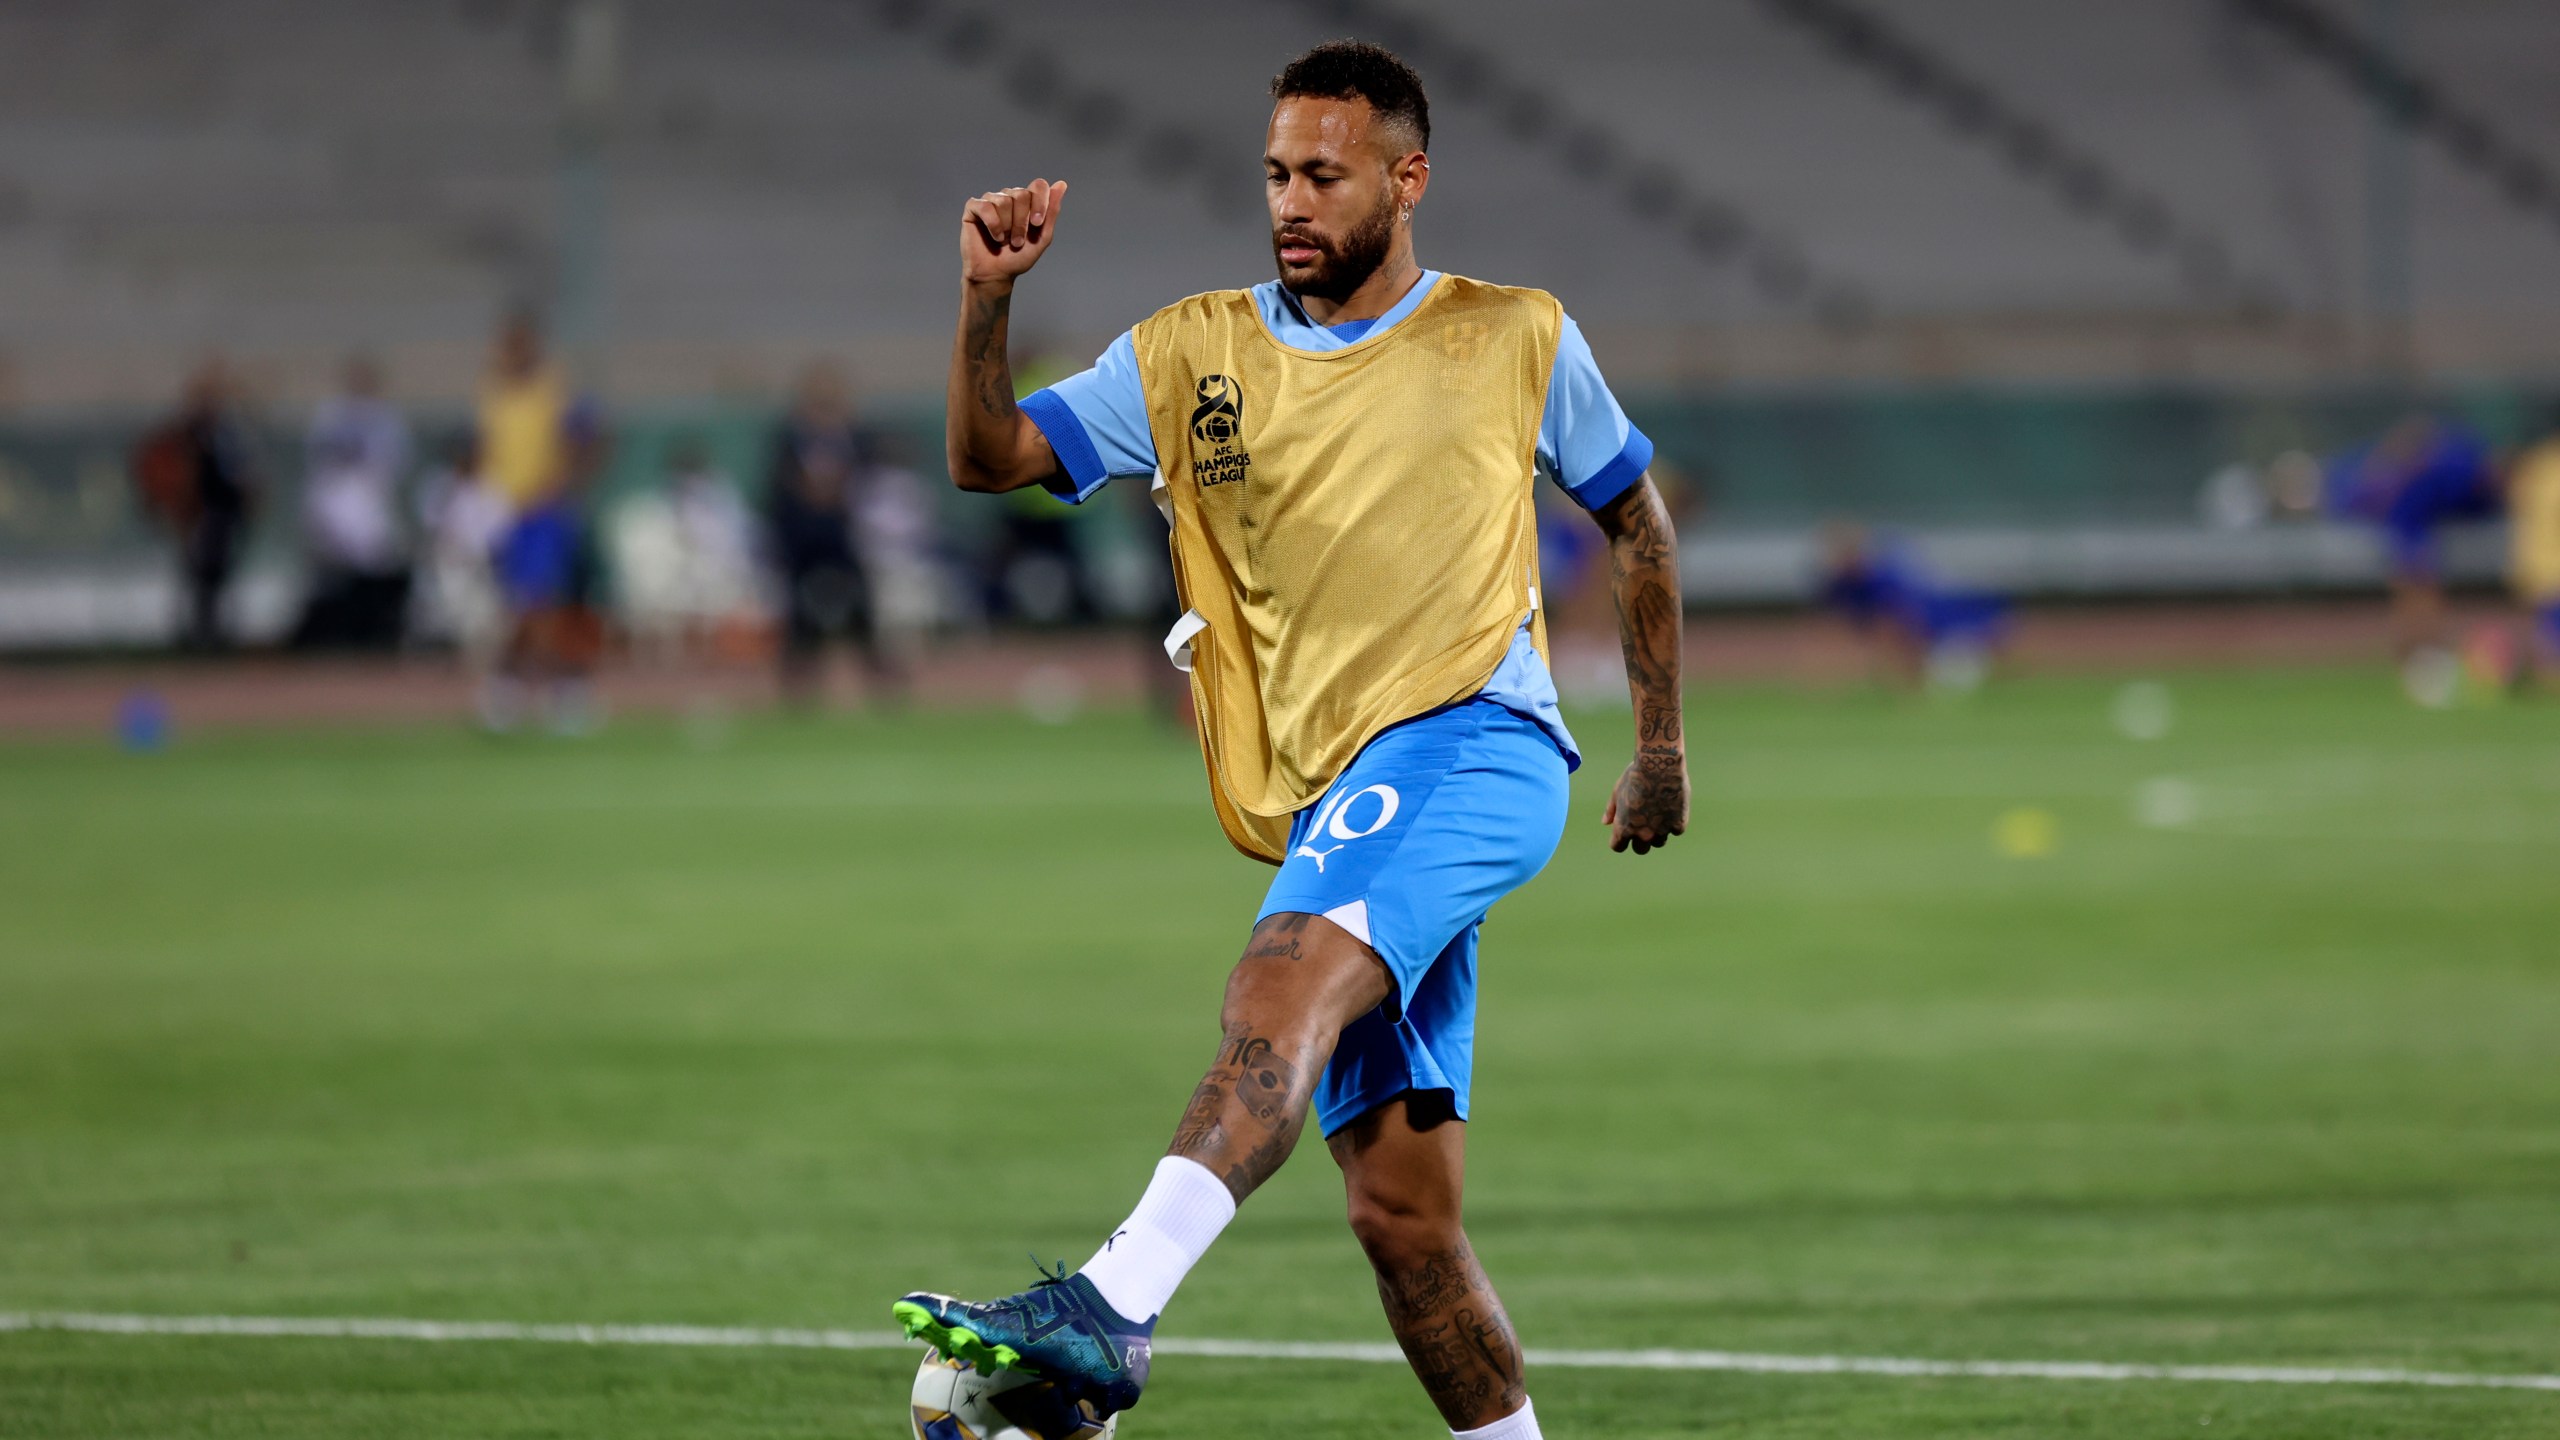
{"x": 2415, "y": 102}
{"x": 2034, "y": 149}
{"x": 258, "y": 175}
{"x": 286, "y": 180}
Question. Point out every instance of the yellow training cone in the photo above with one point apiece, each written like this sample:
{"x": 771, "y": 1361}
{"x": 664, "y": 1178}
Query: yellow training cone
{"x": 2025, "y": 833}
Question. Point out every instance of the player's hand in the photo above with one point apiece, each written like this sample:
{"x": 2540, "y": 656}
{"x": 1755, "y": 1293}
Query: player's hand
{"x": 1005, "y": 232}
{"x": 1651, "y": 803}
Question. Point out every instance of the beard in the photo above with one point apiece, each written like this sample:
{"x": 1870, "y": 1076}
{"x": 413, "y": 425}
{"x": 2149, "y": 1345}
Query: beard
{"x": 1342, "y": 266}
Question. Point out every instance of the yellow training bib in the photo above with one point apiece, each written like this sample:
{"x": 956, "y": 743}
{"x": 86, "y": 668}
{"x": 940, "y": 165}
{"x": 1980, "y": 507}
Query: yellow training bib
{"x": 2533, "y": 517}
{"x": 1354, "y": 529}
{"x": 523, "y": 448}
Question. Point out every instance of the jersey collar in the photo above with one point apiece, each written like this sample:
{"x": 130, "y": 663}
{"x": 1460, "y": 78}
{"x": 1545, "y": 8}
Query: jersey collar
{"x": 1289, "y": 323}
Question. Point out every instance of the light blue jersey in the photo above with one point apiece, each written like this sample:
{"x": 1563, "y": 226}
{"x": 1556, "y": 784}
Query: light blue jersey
{"x": 1096, "y": 421}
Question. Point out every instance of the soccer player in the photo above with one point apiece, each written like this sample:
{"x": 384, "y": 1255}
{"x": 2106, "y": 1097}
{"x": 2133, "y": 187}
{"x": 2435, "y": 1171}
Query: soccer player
{"x": 1349, "y": 456}
{"x": 2533, "y": 566}
{"x": 1916, "y": 629}
{"x": 2423, "y": 473}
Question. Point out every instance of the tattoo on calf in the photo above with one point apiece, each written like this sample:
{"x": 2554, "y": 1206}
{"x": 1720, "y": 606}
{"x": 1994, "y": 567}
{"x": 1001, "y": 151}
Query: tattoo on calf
{"x": 1261, "y": 1163}
{"x": 1448, "y": 1373}
{"x": 1489, "y": 1333}
{"x": 1455, "y": 1334}
{"x": 1265, "y": 1082}
{"x": 1199, "y": 1127}
{"x": 1245, "y": 1116}
{"x": 1438, "y": 1283}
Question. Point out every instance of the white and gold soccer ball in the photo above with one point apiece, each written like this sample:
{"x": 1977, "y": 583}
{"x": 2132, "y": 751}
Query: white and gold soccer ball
{"x": 952, "y": 1401}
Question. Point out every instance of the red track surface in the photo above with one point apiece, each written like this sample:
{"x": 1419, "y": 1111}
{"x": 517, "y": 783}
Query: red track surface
{"x": 252, "y": 691}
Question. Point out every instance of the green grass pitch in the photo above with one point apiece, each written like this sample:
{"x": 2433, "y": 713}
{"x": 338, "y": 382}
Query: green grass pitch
{"x": 766, "y": 1032}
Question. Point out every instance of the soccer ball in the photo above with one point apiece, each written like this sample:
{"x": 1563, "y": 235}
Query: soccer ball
{"x": 952, "y": 1401}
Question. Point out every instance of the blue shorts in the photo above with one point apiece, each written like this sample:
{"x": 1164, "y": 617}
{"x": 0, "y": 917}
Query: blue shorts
{"x": 2547, "y": 618}
{"x": 2422, "y": 508}
{"x": 1963, "y": 619}
{"x": 537, "y": 558}
{"x": 1434, "y": 821}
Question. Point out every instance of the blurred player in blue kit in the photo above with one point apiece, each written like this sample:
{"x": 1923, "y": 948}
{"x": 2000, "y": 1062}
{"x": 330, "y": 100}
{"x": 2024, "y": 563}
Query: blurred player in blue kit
{"x": 2424, "y": 473}
{"x": 2533, "y": 557}
{"x": 547, "y": 569}
{"x": 1917, "y": 629}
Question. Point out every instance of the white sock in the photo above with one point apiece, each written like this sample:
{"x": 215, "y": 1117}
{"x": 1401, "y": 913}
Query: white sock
{"x": 1520, "y": 1424}
{"x": 1139, "y": 1267}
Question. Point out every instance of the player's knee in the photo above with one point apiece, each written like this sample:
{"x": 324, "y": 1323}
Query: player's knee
{"x": 1398, "y": 1233}
{"x": 1288, "y": 979}
{"x": 1261, "y": 994}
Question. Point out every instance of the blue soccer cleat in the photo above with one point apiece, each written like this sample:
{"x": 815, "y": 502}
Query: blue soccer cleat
{"x": 1061, "y": 1330}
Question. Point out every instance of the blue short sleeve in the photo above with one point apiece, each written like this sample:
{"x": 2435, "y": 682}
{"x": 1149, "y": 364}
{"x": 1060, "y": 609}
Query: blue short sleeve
{"x": 1096, "y": 421}
{"x": 1585, "y": 442}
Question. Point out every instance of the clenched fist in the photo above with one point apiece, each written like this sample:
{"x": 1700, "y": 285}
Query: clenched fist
{"x": 1005, "y": 232}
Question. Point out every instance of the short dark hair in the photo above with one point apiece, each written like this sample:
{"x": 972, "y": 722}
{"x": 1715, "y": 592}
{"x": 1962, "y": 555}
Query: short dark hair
{"x": 1358, "y": 70}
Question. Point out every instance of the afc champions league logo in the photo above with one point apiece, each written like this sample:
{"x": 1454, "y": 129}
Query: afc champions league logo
{"x": 1217, "y": 426}
{"x": 1219, "y": 417}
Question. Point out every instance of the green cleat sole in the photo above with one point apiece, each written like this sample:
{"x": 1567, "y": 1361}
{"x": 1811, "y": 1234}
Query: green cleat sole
{"x": 957, "y": 1341}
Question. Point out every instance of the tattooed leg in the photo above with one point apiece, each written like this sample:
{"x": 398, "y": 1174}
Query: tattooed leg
{"x": 1404, "y": 1187}
{"x": 1301, "y": 980}
{"x": 1454, "y": 1332}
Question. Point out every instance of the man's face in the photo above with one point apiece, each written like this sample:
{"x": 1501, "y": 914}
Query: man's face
{"x": 1329, "y": 172}
{"x": 823, "y": 398}
{"x": 519, "y": 349}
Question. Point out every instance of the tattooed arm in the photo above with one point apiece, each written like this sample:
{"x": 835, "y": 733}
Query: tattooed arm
{"x": 1651, "y": 803}
{"x": 993, "y": 446}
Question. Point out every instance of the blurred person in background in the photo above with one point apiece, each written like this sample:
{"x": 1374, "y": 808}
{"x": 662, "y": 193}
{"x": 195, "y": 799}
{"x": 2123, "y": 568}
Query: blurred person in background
{"x": 820, "y": 462}
{"x": 546, "y": 568}
{"x": 524, "y": 415}
{"x": 1039, "y": 573}
{"x": 1168, "y": 689}
{"x": 199, "y": 477}
{"x": 1916, "y": 630}
{"x": 684, "y": 562}
{"x": 2422, "y": 473}
{"x": 2533, "y": 561}
{"x": 896, "y": 534}
{"x": 355, "y": 455}
{"x": 463, "y": 518}
{"x": 1571, "y": 556}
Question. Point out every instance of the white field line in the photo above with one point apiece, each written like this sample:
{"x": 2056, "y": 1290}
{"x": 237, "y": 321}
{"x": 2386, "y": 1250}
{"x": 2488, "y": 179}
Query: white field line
{"x": 738, "y": 1337}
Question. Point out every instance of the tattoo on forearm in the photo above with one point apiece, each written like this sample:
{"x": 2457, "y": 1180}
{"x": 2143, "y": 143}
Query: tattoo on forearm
{"x": 1644, "y": 574}
{"x": 984, "y": 428}
{"x": 990, "y": 373}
